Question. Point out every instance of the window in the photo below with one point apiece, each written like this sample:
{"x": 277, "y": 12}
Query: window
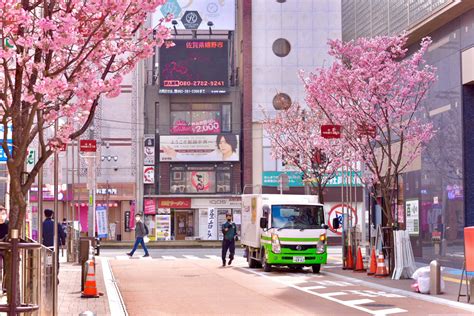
{"x": 200, "y": 118}
{"x": 200, "y": 179}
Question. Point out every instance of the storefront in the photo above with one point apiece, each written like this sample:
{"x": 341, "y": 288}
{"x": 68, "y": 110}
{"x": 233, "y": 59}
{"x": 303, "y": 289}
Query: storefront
{"x": 198, "y": 218}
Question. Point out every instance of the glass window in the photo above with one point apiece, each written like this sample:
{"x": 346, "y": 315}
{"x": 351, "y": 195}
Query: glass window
{"x": 226, "y": 118}
{"x": 178, "y": 180}
{"x": 223, "y": 180}
{"x": 297, "y": 216}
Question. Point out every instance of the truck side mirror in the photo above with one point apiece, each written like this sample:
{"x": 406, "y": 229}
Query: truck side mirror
{"x": 335, "y": 223}
{"x": 263, "y": 222}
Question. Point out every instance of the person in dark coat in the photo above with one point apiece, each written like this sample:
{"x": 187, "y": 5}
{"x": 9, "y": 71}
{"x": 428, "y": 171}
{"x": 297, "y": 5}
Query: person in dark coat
{"x": 140, "y": 232}
{"x": 3, "y": 237}
{"x": 229, "y": 230}
{"x": 48, "y": 230}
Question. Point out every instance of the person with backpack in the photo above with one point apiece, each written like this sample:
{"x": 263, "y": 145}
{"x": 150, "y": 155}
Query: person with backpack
{"x": 141, "y": 231}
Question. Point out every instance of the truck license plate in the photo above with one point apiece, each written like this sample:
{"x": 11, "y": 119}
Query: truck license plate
{"x": 298, "y": 259}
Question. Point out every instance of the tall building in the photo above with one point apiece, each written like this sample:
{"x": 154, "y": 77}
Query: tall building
{"x": 193, "y": 142}
{"x": 286, "y": 37}
{"x": 438, "y": 190}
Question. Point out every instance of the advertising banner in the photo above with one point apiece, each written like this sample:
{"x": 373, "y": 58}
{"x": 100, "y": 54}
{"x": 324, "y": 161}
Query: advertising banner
{"x": 194, "y": 67}
{"x": 101, "y": 221}
{"x": 163, "y": 224}
{"x": 149, "y": 150}
{"x": 270, "y": 178}
{"x": 148, "y": 174}
{"x": 149, "y": 207}
{"x": 221, "y": 13}
{"x": 174, "y": 203}
{"x": 223, "y": 147}
{"x": 412, "y": 214}
{"x": 211, "y": 224}
{"x": 195, "y": 122}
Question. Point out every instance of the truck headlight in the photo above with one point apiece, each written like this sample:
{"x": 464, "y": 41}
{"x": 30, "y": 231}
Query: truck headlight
{"x": 276, "y": 248}
{"x": 321, "y": 245}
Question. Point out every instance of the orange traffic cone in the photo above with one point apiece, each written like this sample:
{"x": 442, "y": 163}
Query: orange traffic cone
{"x": 381, "y": 267}
{"x": 349, "y": 259}
{"x": 90, "y": 287}
{"x": 359, "y": 262}
{"x": 373, "y": 263}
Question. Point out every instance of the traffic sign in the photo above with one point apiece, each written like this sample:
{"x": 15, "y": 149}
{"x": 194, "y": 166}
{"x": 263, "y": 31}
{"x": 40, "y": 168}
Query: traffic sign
{"x": 88, "y": 145}
{"x": 191, "y": 20}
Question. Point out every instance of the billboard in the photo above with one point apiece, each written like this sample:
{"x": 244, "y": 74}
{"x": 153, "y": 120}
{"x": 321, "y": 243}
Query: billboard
{"x": 194, "y": 67}
{"x": 222, "y": 147}
{"x": 220, "y": 12}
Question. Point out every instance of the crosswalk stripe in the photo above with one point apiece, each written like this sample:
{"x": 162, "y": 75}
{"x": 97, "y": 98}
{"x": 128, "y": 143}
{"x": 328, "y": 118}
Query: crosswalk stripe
{"x": 191, "y": 257}
{"x": 315, "y": 287}
{"x": 213, "y": 257}
{"x": 122, "y": 257}
{"x": 169, "y": 257}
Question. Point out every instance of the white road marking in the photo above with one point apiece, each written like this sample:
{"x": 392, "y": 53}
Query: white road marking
{"x": 213, "y": 257}
{"x": 121, "y": 257}
{"x": 169, "y": 257}
{"x": 330, "y": 296}
{"x": 334, "y": 283}
{"x": 316, "y": 287}
{"x": 360, "y": 301}
{"x": 191, "y": 257}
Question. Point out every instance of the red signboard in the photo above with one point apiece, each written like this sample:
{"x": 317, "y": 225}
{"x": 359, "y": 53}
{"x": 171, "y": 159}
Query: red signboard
{"x": 331, "y": 131}
{"x": 366, "y": 130}
{"x": 88, "y": 145}
{"x": 149, "y": 207}
{"x": 174, "y": 203}
{"x": 469, "y": 248}
{"x": 62, "y": 147}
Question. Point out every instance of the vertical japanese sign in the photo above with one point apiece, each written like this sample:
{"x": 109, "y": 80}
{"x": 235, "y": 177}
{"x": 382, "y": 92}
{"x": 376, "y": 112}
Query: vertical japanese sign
{"x": 101, "y": 221}
{"x": 149, "y": 150}
{"x": 211, "y": 224}
{"x": 127, "y": 221}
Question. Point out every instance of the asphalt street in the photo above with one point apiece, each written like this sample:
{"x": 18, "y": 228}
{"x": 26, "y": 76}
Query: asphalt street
{"x": 192, "y": 281}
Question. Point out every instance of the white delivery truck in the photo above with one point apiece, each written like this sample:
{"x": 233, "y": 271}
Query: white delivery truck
{"x": 284, "y": 230}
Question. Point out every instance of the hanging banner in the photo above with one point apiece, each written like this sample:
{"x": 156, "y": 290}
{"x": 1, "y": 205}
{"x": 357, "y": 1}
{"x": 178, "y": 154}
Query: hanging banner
{"x": 211, "y": 224}
{"x": 148, "y": 174}
{"x": 127, "y": 221}
{"x": 101, "y": 221}
{"x": 163, "y": 224}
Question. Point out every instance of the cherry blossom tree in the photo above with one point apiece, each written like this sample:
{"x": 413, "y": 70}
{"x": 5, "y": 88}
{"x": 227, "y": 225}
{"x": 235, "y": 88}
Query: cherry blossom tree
{"x": 374, "y": 91}
{"x": 57, "y": 59}
{"x": 295, "y": 136}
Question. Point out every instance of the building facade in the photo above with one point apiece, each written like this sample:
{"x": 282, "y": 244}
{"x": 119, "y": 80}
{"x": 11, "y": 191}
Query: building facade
{"x": 193, "y": 142}
{"x": 437, "y": 192}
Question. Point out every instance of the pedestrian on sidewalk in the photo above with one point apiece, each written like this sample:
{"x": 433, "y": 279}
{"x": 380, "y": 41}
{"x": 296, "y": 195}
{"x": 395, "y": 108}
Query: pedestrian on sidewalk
{"x": 229, "y": 230}
{"x": 3, "y": 237}
{"x": 140, "y": 233}
{"x": 48, "y": 233}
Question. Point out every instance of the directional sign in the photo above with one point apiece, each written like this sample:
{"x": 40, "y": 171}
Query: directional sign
{"x": 191, "y": 20}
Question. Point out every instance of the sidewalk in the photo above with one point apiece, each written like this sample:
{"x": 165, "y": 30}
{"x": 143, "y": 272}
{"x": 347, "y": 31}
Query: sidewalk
{"x": 69, "y": 291}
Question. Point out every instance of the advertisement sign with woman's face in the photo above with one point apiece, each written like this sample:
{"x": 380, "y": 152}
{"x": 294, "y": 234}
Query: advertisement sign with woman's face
{"x": 223, "y": 147}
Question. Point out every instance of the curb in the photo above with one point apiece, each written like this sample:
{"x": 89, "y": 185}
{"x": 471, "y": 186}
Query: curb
{"x": 422, "y": 297}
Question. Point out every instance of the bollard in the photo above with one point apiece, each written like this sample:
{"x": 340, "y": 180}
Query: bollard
{"x": 435, "y": 278}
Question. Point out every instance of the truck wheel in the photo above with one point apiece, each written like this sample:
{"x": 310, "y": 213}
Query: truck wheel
{"x": 316, "y": 268}
{"x": 266, "y": 267}
{"x": 252, "y": 262}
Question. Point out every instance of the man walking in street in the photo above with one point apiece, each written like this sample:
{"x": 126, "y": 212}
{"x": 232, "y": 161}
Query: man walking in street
{"x": 229, "y": 230}
{"x": 140, "y": 233}
{"x": 3, "y": 237}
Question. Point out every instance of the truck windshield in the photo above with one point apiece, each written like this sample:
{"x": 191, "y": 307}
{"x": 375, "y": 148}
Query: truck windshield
{"x": 297, "y": 216}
